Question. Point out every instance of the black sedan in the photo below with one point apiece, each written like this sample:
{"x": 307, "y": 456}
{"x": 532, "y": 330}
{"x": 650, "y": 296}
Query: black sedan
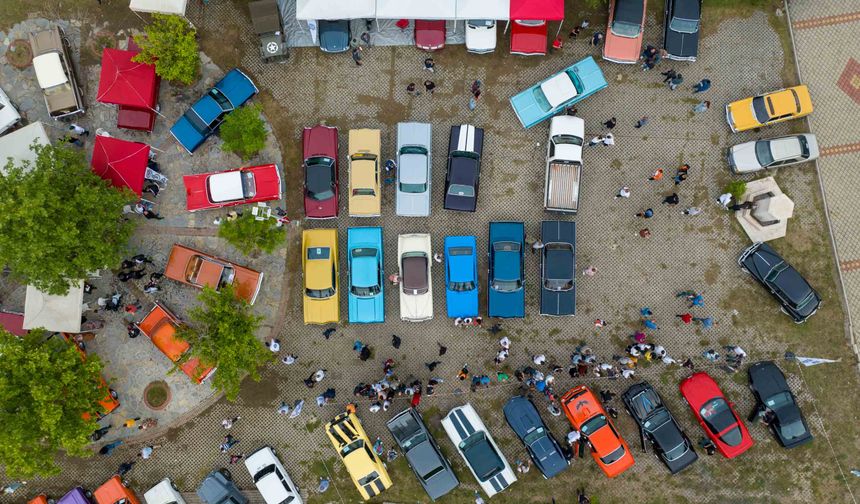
{"x": 657, "y": 424}
{"x": 464, "y": 167}
{"x": 772, "y": 394}
{"x": 681, "y": 29}
{"x": 558, "y": 268}
{"x": 798, "y": 299}
{"x": 524, "y": 419}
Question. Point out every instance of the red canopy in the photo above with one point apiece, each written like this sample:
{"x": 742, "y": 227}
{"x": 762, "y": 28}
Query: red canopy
{"x": 120, "y": 162}
{"x": 13, "y": 322}
{"x": 550, "y": 10}
{"x": 126, "y": 83}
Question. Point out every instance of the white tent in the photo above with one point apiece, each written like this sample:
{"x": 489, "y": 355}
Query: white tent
{"x": 162, "y": 6}
{"x": 16, "y": 145}
{"x": 484, "y": 9}
{"x": 308, "y": 10}
{"x": 416, "y": 9}
{"x": 54, "y": 313}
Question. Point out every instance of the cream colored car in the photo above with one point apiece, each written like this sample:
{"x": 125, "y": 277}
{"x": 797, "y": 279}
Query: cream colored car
{"x": 416, "y": 286}
{"x": 365, "y": 198}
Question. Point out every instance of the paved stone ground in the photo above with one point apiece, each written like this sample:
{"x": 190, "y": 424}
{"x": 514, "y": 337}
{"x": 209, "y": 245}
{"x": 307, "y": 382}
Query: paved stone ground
{"x": 683, "y": 253}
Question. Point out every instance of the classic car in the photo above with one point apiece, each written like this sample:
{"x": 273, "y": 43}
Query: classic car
{"x": 320, "y": 274}
{"x": 114, "y": 491}
{"x": 416, "y": 282}
{"x": 625, "y": 31}
{"x": 429, "y": 34}
{"x": 199, "y": 269}
{"x": 55, "y": 73}
{"x": 366, "y": 276}
{"x": 715, "y": 414}
{"x": 563, "y": 164}
{"x": 9, "y": 116}
{"x": 269, "y": 28}
{"x": 558, "y": 268}
{"x": 528, "y": 37}
{"x": 241, "y": 186}
{"x": 681, "y": 29}
{"x": 319, "y": 145}
{"x": 413, "y": 169}
{"x": 524, "y": 419}
{"x": 270, "y": 477}
{"x": 365, "y": 189}
{"x": 506, "y": 296}
{"x": 772, "y": 393}
{"x": 462, "y": 178}
{"x": 218, "y": 488}
{"x": 364, "y": 466}
{"x": 769, "y": 108}
{"x": 165, "y": 492}
{"x": 422, "y": 453}
{"x": 461, "y": 276}
{"x": 334, "y": 35}
{"x": 797, "y": 298}
{"x": 773, "y": 152}
{"x": 160, "y": 325}
{"x": 480, "y": 36}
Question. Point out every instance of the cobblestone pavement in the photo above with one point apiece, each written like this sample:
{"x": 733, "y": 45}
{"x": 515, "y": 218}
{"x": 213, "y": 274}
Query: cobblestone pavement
{"x": 683, "y": 253}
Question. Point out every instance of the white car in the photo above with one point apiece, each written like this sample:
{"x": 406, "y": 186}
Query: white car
{"x": 416, "y": 285}
{"x": 271, "y": 478}
{"x": 164, "y": 492}
{"x": 480, "y": 36}
{"x": 564, "y": 163}
{"x": 478, "y": 449}
{"x": 8, "y": 115}
{"x": 413, "y": 169}
{"x": 770, "y": 153}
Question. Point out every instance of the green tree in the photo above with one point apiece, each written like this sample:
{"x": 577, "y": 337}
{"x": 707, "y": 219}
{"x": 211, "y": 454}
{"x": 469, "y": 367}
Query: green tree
{"x": 244, "y": 132}
{"x": 45, "y": 389}
{"x": 737, "y": 188}
{"x": 250, "y": 235}
{"x": 171, "y": 44}
{"x": 59, "y": 221}
{"x": 223, "y": 335}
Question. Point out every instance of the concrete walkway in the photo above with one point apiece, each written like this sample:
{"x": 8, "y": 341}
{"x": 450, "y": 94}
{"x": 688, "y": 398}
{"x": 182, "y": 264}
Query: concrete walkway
{"x": 827, "y": 50}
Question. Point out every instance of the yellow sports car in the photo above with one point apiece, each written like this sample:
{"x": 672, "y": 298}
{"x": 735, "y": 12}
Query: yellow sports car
{"x": 319, "y": 264}
{"x": 769, "y": 108}
{"x": 365, "y": 198}
{"x": 355, "y": 449}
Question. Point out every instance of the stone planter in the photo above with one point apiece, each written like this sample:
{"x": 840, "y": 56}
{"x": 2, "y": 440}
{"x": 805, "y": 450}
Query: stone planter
{"x": 19, "y": 54}
{"x": 157, "y": 395}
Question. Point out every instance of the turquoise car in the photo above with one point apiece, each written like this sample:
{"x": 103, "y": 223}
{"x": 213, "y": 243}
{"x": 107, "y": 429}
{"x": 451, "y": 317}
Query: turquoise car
{"x": 366, "y": 277}
{"x": 552, "y": 95}
{"x": 461, "y": 276}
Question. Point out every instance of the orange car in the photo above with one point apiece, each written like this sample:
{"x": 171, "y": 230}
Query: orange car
{"x": 625, "y": 31}
{"x": 39, "y": 499}
{"x": 110, "y": 402}
{"x": 160, "y": 326}
{"x": 200, "y": 269}
{"x": 587, "y": 415}
{"x": 114, "y": 492}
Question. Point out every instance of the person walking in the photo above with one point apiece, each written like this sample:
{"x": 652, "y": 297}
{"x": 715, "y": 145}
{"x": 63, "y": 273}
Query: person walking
{"x": 537, "y": 245}
{"x": 646, "y": 214}
{"x": 701, "y": 86}
{"x": 356, "y": 55}
{"x": 692, "y": 211}
{"x": 609, "y": 139}
{"x": 702, "y": 106}
{"x": 228, "y": 422}
{"x": 429, "y": 65}
{"x": 724, "y": 200}
{"x": 596, "y": 140}
{"x": 237, "y": 457}
{"x": 429, "y": 86}
{"x": 146, "y": 451}
{"x": 289, "y": 359}
{"x": 645, "y": 233}
{"x": 676, "y": 81}
{"x": 707, "y": 322}
{"x": 274, "y": 345}
{"x": 669, "y": 75}
{"x": 685, "y": 317}
{"x": 78, "y": 129}
{"x": 324, "y": 484}
{"x": 671, "y": 200}
{"x": 590, "y": 271}
{"x": 596, "y": 39}
{"x": 432, "y": 365}
{"x": 610, "y": 123}
{"x": 641, "y": 122}
{"x": 624, "y": 192}
{"x": 410, "y": 89}
{"x": 110, "y": 447}
{"x": 574, "y": 33}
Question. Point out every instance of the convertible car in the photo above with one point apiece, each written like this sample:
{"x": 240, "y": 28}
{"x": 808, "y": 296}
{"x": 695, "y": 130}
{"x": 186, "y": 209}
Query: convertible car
{"x": 242, "y": 186}
{"x": 506, "y": 295}
{"x": 461, "y": 276}
{"x": 366, "y": 277}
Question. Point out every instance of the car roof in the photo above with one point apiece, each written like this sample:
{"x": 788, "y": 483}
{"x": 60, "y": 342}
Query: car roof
{"x": 785, "y": 148}
{"x": 558, "y": 89}
{"x": 271, "y": 487}
{"x": 365, "y": 271}
{"x": 415, "y": 272}
{"x": 226, "y": 186}
{"x": 507, "y": 264}
{"x": 49, "y": 70}
{"x": 559, "y": 263}
{"x": 687, "y": 9}
{"x": 629, "y": 11}
{"x": 413, "y": 168}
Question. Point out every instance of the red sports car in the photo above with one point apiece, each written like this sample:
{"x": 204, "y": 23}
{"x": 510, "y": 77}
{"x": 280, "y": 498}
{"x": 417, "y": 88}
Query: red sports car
{"x": 319, "y": 145}
{"x": 528, "y": 38}
{"x": 241, "y": 186}
{"x": 429, "y": 35}
{"x": 716, "y": 414}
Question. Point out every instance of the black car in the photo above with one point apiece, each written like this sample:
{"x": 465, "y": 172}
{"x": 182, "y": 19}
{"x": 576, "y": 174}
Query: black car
{"x": 798, "y": 299}
{"x": 421, "y": 451}
{"x": 681, "y": 29}
{"x": 464, "y": 167}
{"x": 524, "y": 419}
{"x": 657, "y": 424}
{"x": 334, "y": 35}
{"x": 772, "y": 393}
{"x": 558, "y": 268}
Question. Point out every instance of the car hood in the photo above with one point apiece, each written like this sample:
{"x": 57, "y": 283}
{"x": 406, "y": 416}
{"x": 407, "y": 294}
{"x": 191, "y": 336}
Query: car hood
{"x": 320, "y": 141}
{"x": 480, "y": 39}
{"x": 622, "y": 49}
{"x": 366, "y": 310}
{"x": 507, "y": 304}
{"x": 741, "y": 116}
{"x": 528, "y": 40}
{"x": 186, "y": 135}
{"x": 429, "y": 34}
{"x": 195, "y": 192}
{"x": 321, "y": 311}
{"x": 744, "y": 158}
{"x": 416, "y": 307}
{"x": 413, "y": 204}
{"x": 682, "y": 45}
{"x": 461, "y": 304}
{"x": 333, "y": 38}
{"x": 557, "y": 303}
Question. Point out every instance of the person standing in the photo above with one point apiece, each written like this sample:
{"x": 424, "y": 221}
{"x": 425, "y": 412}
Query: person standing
{"x": 701, "y": 86}
{"x": 671, "y": 200}
{"x": 647, "y": 214}
{"x": 685, "y": 317}
{"x": 692, "y": 211}
{"x": 78, "y": 129}
{"x": 557, "y": 44}
{"x": 624, "y": 192}
{"x": 410, "y": 89}
{"x": 596, "y": 140}
{"x": 657, "y": 176}
{"x": 702, "y": 106}
{"x": 610, "y": 123}
{"x": 676, "y": 81}
{"x": 642, "y": 122}
{"x": 609, "y": 139}
{"x": 356, "y": 55}
{"x": 429, "y": 64}
{"x": 596, "y": 39}
{"x": 429, "y": 86}
{"x": 590, "y": 271}
{"x": 669, "y": 75}
{"x": 537, "y": 245}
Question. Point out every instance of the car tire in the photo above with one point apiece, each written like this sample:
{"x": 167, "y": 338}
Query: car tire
{"x": 226, "y": 474}
{"x": 113, "y": 393}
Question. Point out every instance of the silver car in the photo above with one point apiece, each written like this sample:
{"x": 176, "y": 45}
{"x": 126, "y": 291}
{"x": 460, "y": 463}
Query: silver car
{"x": 771, "y": 153}
{"x": 413, "y": 169}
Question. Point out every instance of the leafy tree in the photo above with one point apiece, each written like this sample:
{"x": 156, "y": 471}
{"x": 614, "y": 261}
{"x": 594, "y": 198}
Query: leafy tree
{"x": 737, "y": 188}
{"x": 244, "y": 132}
{"x": 223, "y": 335}
{"x": 45, "y": 389}
{"x": 251, "y": 235}
{"x": 171, "y": 44}
{"x": 59, "y": 221}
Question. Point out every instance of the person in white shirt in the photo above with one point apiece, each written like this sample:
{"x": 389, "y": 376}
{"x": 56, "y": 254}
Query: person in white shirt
{"x": 505, "y": 343}
{"x": 609, "y": 139}
{"x": 539, "y": 359}
{"x": 724, "y": 200}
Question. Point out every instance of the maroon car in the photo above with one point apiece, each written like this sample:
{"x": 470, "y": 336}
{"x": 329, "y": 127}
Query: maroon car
{"x": 319, "y": 145}
{"x": 429, "y": 35}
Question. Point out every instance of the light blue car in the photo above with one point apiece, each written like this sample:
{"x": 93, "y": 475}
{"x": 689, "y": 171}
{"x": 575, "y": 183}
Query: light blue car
{"x": 552, "y": 95}
{"x": 366, "y": 277}
{"x": 461, "y": 276}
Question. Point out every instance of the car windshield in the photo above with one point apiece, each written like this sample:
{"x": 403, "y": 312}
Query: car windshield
{"x": 762, "y": 153}
{"x": 540, "y": 99}
{"x": 718, "y": 417}
{"x": 432, "y": 472}
{"x": 222, "y": 100}
{"x": 613, "y": 457}
{"x": 249, "y": 189}
{"x": 624, "y": 29}
{"x": 196, "y": 122}
{"x": 804, "y": 146}
{"x": 534, "y": 435}
{"x": 567, "y": 140}
{"x": 351, "y": 447}
{"x": 760, "y": 110}
{"x": 481, "y": 456}
{"x": 779, "y": 400}
{"x": 363, "y": 192}
{"x": 481, "y": 23}
{"x": 365, "y": 291}
{"x": 793, "y": 429}
{"x": 461, "y": 190}
{"x": 682, "y": 25}
{"x": 319, "y": 177}
{"x": 461, "y": 286}
{"x": 593, "y": 424}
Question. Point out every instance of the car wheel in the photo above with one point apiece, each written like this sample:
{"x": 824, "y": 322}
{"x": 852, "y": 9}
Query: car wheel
{"x": 226, "y": 474}
{"x": 113, "y": 393}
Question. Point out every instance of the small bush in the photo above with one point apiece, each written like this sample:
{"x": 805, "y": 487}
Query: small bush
{"x": 251, "y": 236}
{"x": 737, "y": 188}
{"x": 244, "y": 132}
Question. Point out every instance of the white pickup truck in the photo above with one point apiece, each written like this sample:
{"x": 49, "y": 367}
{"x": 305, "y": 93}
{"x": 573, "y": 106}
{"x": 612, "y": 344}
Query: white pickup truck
{"x": 564, "y": 164}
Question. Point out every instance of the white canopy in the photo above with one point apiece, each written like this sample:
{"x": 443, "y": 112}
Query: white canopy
{"x": 416, "y": 9}
{"x": 484, "y": 9}
{"x": 308, "y": 10}
{"x": 54, "y": 313}
{"x": 16, "y": 145}
{"x": 162, "y": 6}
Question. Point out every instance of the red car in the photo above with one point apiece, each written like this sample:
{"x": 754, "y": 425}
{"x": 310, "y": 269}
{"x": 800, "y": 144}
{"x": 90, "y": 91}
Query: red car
{"x": 716, "y": 414}
{"x": 319, "y": 145}
{"x": 241, "y": 186}
{"x": 429, "y": 35}
{"x": 528, "y": 38}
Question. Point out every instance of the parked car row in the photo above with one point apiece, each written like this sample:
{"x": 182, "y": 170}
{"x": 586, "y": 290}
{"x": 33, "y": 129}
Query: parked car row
{"x": 506, "y": 279}
{"x": 626, "y": 29}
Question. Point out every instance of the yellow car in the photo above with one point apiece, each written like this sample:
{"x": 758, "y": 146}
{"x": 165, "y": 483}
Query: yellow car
{"x": 365, "y": 198}
{"x": 355, "y": 449}
{"x": 319, "y": 264}
{"x": 769, "y": 108}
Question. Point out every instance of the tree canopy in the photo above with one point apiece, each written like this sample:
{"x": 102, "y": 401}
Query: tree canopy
{"x": 171, "y": 44}
{"x": 222, "y": 334}
{"x": 45, "y": 389}
{"x": 251, "y": 235}
{"x": 244, "y": 132}
{"x": 59, "y": 221}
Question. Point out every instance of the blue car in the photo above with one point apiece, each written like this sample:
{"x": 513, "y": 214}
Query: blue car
{"x": 366, "y": 277}
{"x": 552, "y": 95}
{"x": 461, "y": 276}
{"x": 206, "y": 114}
{"x": 507, "y": 280}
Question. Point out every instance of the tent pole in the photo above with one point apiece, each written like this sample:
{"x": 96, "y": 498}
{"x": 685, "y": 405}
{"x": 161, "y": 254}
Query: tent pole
{"x": 507, "y": 25}
{"x": 559, "y": 27}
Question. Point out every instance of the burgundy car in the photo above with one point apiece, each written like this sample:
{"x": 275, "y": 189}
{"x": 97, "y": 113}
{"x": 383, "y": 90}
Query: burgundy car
{"x": 716, "y": 415}
{"x": 240, "y": 186}
{"x": 429, "y": 35}
{"x": 319, "y": 145}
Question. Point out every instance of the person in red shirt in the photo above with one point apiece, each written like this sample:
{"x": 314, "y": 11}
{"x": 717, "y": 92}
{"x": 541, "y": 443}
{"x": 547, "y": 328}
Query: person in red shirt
{"x": 685, "y": 317}
{"x": 557, "y": 44}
